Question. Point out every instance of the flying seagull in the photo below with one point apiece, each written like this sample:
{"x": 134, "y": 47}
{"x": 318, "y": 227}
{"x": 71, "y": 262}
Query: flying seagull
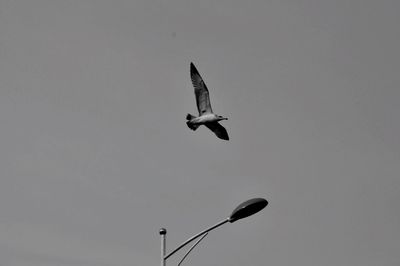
{"x": 206, "y": 116}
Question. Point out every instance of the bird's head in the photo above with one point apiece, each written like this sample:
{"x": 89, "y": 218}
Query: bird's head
{"x": 220, "y": 117}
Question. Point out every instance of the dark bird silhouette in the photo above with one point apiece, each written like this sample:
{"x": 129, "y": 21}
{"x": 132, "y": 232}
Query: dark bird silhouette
{"x": 206, "y": 116}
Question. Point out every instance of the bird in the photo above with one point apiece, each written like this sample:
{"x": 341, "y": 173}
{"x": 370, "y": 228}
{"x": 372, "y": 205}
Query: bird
{"x": 206, "y": 116}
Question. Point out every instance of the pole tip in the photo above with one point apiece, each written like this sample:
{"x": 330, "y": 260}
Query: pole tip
{"x": 163, "y": 231}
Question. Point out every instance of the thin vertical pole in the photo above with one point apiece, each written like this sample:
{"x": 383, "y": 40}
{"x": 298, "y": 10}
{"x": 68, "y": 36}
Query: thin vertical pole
{"x": 163, "y": 233}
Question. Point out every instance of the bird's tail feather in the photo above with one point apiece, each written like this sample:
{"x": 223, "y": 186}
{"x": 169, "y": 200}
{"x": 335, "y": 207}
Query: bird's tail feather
{"x": 190, "y": 117}
{"x": 191, "y": 125}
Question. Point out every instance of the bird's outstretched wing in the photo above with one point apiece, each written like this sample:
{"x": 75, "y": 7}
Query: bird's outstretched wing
{"x": 219, "y": 130}
{"x": 201, "y": 91}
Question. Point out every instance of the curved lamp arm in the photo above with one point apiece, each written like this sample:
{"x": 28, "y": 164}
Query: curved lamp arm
{"x": 194, "y": 245}
{"x": 196, "y": 236}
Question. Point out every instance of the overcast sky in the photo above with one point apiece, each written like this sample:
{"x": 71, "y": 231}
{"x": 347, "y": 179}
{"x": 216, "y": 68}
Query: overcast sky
{"x": 95, "y": 155}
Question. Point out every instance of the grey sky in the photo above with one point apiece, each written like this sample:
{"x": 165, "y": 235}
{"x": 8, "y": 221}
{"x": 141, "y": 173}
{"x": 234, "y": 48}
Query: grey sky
{"x": 96, "y": 157}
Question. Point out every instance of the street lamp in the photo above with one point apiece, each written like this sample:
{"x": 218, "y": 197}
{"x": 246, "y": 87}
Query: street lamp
{"x": 243, "y": 210}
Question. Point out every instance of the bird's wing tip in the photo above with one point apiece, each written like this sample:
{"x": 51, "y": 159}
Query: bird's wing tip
{"x": 193, "y": 68}
{"x": 224, "y": 137}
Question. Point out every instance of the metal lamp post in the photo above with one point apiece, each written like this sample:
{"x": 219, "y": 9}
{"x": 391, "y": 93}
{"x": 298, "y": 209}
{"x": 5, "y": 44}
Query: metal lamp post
{"x": 243, "y": 210}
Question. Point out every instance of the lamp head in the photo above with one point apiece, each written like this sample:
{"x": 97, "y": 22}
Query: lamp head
{"x": 247, "y": 208}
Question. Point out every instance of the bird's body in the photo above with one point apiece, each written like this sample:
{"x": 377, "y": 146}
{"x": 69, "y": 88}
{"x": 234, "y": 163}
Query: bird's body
{"x": 206, "y": 116}
{"x": 203, "y": 119}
